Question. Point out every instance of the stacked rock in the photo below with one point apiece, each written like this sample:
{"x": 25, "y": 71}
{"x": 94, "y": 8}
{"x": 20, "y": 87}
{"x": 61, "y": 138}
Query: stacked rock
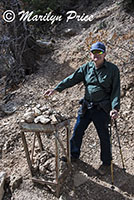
{"x": 43, "y": 115}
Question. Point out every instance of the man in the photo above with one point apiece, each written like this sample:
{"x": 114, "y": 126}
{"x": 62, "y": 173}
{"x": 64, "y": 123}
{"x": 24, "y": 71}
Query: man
{"x": 101, "y": 101}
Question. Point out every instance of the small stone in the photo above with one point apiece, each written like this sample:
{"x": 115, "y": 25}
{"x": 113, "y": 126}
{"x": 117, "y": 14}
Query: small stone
{"x": 42, "y": 119}
{"x": 62, "y": 197}
{"x": 38, "y": 106}
{"x": 44, "y": 44}
{"x": 50, "y": 164}
{"x": 42, "y": 169}
{"x": 29, "y": 110}
{"x": 37, "y": 119}
{"x": 44, "y": 108}
{"x": 54, "y": 99}
{"x": 22, "y": 121}
{"x": 37, "y": 112}
{"x": 45, "y": 47}
{"x": 69, "y": 32}
{"x": 54, "y": 119}
{"x": 47, "y": 112}
{"x": 29, "y": 117}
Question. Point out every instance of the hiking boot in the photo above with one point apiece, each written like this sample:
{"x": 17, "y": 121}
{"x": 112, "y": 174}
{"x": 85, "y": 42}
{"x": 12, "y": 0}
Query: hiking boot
{"x": 64, "y": 159}
{"x": 103, "y": 169}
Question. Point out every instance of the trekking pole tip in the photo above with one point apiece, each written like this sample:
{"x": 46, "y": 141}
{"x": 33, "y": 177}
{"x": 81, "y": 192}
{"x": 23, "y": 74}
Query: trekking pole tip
{"x": 112, "y": 187}
{"x": 124, "y": 169}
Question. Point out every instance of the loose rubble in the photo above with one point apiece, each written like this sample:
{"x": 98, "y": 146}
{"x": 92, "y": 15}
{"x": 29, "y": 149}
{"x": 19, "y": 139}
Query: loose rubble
{"x": 45, "y": 165}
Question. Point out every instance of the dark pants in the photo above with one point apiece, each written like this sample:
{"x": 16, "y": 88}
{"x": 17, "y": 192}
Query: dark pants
{"x": 101, "y": 121}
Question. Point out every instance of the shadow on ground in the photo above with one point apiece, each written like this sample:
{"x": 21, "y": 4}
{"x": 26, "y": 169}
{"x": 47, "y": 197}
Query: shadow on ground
{"x": 98, "y": 188}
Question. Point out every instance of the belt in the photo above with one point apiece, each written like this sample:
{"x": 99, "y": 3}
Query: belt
{"x": 91, "y": 105}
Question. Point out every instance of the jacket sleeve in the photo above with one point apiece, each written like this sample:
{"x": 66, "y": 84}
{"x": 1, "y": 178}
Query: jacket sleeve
{"x": 71, "y": 80}
{"x": 115, "y": 94}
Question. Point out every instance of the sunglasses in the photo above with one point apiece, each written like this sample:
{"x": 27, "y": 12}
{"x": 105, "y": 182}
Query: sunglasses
{"x": 97, "y": 52}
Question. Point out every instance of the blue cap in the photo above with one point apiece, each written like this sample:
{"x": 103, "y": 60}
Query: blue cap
{"x": 98, "y": 46}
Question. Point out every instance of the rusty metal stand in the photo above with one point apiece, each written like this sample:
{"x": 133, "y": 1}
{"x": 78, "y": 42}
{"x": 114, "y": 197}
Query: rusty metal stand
{"x": 51, "y": 129}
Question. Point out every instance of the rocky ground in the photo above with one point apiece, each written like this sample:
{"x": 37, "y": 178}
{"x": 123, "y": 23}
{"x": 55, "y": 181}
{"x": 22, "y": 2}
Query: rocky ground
{"x": 113, "y": 25}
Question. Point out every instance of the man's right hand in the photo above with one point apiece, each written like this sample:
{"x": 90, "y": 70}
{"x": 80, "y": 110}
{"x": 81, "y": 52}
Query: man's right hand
{"x": 49, "y": 92}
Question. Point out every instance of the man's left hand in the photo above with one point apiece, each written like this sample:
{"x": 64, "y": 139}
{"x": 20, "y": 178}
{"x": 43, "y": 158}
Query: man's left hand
{"x": 114, "y": 114}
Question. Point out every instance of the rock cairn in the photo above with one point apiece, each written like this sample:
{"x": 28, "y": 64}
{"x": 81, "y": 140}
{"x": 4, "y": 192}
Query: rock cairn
{"x": 43, "y": 115}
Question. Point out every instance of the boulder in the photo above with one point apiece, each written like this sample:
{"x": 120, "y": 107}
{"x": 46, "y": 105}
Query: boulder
{"x": 9, "y": 108}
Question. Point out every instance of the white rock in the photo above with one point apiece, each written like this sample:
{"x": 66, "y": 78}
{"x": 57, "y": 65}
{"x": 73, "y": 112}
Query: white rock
{"x": 44, "y": 108}
{"x": 62, "y": 197}
{"x": 2, "y": 180}
{"x": 54, "y": 119}
{"x": 22, "y": 120}
{"x": 29, "y": 117}
{"x": 46, "y": 116}
{"x": 37, "y": 112}
{"x": 54, "y": 99}
{"x": 42, "y": 119}
{"x": 38, "y": 106}
{"x": 44, "y": 44}
{"x": 69, "y": 32}
{"x": 37, "y": 119}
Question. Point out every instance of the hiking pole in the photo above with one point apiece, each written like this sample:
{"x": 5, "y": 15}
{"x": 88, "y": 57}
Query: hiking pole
{"x": 112, "y": 171}
{"x": 117, "y": 134}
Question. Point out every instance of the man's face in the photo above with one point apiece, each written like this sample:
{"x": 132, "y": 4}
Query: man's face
{"x": 98, "y": 57}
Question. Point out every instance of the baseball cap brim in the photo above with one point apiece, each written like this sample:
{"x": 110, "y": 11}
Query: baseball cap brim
{"x": 98, "y": 49}
{"x": 98, "y": 46}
